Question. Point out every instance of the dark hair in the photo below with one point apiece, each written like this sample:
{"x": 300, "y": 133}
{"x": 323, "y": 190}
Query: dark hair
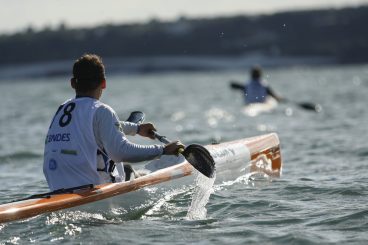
{"x": 88, "y": 72}
{"x": 256, "y": 72}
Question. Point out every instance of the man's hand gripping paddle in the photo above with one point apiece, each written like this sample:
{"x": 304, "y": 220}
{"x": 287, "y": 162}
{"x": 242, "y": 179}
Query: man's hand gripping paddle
{"x": 196, "y": 155}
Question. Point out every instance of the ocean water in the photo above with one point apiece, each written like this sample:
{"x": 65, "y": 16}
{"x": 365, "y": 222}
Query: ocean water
{"x": 321, "y": 197}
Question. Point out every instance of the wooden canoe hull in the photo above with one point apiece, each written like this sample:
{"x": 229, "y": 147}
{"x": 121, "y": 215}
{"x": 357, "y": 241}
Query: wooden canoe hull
{"x": 261, "y": 153}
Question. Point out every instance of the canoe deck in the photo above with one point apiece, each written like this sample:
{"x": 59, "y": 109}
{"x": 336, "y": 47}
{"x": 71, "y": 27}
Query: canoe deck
{"x": 257, "y": 154}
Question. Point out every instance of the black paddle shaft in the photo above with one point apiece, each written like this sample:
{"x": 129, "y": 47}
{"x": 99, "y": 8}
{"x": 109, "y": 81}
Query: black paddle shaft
{"x": 198, "y": 156}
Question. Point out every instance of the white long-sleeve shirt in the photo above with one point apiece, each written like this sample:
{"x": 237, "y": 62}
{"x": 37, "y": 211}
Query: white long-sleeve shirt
{"x": 112, "y": 138}
{"x": 80, "y": 128}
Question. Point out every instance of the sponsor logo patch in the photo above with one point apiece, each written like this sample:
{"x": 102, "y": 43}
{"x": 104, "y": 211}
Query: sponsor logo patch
{"x": 52, "y": 164}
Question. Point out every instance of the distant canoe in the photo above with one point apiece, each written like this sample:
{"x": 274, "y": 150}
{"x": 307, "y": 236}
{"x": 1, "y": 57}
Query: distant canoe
{"x": 255, "y": 109}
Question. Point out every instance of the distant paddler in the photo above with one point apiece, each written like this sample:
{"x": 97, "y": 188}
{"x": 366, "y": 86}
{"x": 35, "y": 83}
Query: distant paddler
{"x": 257, "y": 90}
{"x": 260, "y": 97}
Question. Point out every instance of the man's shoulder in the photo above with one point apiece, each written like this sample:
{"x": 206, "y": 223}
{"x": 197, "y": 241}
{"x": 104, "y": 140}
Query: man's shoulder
{"x": 102, "y": 106}
{"x": 264, "y": 82}
{"x": 66, "y": 101}
{"x": 104, "y": 112}
{"x": 104, "y": 117}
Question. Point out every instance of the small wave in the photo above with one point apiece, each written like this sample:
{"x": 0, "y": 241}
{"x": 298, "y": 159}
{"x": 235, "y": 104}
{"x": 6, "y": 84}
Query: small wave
{"x": 305, "y": 179}
{"x": 325, "y": 190}
{"x": 348, "y": 191}
{"x": 297, "y": 189}
{"x": 346, "y": 220}
{"x": 278, "y": 221}
{"x": 19, "y": 156}
{"x": 298, "y": 238}
{"x": 363, "y": 153}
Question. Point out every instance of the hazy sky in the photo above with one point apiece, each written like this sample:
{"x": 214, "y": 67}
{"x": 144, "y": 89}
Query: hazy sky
{"x": 16, "y": 15}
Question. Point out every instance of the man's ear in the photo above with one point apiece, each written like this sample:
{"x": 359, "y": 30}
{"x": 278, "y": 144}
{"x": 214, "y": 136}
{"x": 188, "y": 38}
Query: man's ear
{"x": 73, "y": 83}
{"x": 103, "y": 85}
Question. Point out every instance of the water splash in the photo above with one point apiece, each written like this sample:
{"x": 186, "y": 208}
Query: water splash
{"x": 201, "y": 195}
{"x": 162, "y": 207}
{"x": 250, "y": 180}
{"x": 63, "y": 218}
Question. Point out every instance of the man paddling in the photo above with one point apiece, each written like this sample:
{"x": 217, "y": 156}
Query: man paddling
{"x": 257, "y": 90}
{"x": 86, "y": 143}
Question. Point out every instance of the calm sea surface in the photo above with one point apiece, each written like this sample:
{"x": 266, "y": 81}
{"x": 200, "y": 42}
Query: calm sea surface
{"x": 320, "y": 199}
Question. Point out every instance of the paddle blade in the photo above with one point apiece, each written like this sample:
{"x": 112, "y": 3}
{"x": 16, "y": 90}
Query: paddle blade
{"x": 136, "y": 117}
{"x": 200, "y": 159}
{"x": 310, "y": 106}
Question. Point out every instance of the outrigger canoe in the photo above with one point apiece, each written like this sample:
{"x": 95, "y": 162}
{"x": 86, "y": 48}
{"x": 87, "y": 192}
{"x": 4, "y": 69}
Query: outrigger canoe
{"x": 254, "y": 109}
{"x": 259, "y": 154}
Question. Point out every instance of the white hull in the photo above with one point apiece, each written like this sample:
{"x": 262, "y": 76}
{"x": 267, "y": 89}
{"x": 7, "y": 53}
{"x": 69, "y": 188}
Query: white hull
{"x": 233, "y": 159}
{"x": 255, "y": 109}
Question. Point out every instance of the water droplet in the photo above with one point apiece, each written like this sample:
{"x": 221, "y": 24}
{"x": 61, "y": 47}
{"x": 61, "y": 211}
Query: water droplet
{"x": 288, "y": 112}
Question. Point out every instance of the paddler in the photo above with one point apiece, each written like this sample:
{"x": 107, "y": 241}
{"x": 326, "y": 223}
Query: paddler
{"x": 86, "y": 143}
{"x": 257, "y": 90}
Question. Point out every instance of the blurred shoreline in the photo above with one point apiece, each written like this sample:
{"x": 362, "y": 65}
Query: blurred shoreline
{"x": 144, "y": 65}
{"x": 308, "y": 37}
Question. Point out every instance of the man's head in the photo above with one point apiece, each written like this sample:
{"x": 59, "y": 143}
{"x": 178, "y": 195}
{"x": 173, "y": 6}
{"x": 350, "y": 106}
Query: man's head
{"x": 256, "y": 73}
{"x": 88, "y": 74}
